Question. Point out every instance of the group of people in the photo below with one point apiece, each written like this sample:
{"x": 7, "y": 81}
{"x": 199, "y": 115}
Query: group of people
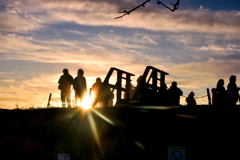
{"x": 223, "y": 97}
{"x": 104, "y": 94}
{"x": 171, "y": 96}
{"x": 79, "y": 84}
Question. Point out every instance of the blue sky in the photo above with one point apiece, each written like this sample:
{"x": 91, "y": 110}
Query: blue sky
{"x": 197, "y": 44}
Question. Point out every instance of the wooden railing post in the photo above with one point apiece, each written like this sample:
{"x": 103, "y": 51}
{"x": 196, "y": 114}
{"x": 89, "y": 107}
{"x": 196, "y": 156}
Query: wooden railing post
{"x": 49, "y": 99}
{"x": 209, "y": 97}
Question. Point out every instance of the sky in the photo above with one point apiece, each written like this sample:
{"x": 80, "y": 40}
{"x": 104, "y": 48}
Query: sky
{"x": 197, "y": 45}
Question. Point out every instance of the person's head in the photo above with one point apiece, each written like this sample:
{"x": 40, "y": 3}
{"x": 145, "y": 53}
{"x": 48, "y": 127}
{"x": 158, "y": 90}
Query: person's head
{"x": 191, "y": 94}
{"x": 65, "y": 71}
{"x": 98, "y": 80}
{"x": 174, "y": 84}
{"x": 220, "y": 82}
{"x": 139, "y": 79}
{"x": 164, "y": 85}
{"x": 80, "y": 72}
{"x": 232, "y": 78}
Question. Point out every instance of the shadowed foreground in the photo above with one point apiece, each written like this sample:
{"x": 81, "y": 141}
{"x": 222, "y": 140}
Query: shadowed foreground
{"x": 127, "y": 133}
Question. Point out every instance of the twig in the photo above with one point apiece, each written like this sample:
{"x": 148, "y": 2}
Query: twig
{"x": 128, "y": 12}
{"x": 175, "y": 6}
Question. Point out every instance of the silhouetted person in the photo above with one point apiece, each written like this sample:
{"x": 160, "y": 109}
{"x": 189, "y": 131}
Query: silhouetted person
{"x": 80, "y": 87}
{"x": 214, "y": 97}
{"x": 232, "y": 91}
{"x": 135, "y": 88}
{"x": 191, "y": 100}
{"x": 221, "y": 93}
{"x": 163, "y": 95}
{"x": 65, "y": 83}
{"x": 96, "y": 88}
{"x": 111, "y": 95}
{"x": 106, "y": 95}
{"x": 174, "y": 94}
{"x": 131, "y": 91}
{"x": 139, "y": 79}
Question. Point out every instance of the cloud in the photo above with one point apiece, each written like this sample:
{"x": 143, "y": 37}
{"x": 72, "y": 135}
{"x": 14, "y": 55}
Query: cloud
{"x": 76, "y": 32}
{"x": 102, "y": 49}
{"x": 12, "y": 22}
{"x": 23, "y": 46}
{"x": 9, "y": 80}
{"x": 212, "y": 47}
{"x": 29, "y": 91}
{"x": 101, "y": 13}
{"x": 227, "y": 51}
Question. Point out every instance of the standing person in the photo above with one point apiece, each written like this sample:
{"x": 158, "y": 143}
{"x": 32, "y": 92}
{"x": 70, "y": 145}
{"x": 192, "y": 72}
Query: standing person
{"x": 191, "y": 100}
{"x": 221, "y": 93}
{"x": 131, "y": 91}
{"x": 96, "y": 89}
{"x": 214, "y": 97}
{"x": 65, "y": 83}
{"x": 163, "y": 95}
{"x": 80, "y": 86}
{"x": 232, "y": 91}
{"x": 106, "y": 95}
{"x": 174, "y": 94}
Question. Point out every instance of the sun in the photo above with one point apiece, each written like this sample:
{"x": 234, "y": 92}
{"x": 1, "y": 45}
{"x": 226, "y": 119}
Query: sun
{"x": 87, "y": 101}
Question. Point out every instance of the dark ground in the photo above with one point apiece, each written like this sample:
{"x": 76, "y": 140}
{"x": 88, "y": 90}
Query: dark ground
{"x": 206, "y": 132}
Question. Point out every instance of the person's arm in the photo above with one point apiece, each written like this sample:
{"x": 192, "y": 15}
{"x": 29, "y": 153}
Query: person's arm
{"x": 74, "y": 84}
{"x": 71, "y": 79}
{"x": 85, "y": 83}
{"x": 195, "y": 103}
{"x": 180, "y": 92}
{"x": 60, "y": 79}
{"x": 235, "y": 88}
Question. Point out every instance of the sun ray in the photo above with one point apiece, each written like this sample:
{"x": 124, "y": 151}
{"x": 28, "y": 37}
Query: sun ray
{"x": 72, "y": 98}
{"x": 103, "y": 117}
{"x": 94, "y": 130}
{"x": 158, "y": 107}
{"x": 87, "y": 101}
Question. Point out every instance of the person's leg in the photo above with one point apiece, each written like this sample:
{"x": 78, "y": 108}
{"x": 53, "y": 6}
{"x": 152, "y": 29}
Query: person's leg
{"x": 81, "y": 96}
{"x": 69, "y": 99}
{"x": 63, "y": 98}
{"x": 76, "y": 99}
{"x": 110, "y": 102}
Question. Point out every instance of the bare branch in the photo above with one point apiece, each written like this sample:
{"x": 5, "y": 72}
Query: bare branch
{"x": 128, "y": 12}
{"x": 175, "y": 6}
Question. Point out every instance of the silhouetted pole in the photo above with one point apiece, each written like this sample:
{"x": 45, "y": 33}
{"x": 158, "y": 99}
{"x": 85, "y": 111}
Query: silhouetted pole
{"x": 49, "y": 99}
{"x": 209, "y": 98}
